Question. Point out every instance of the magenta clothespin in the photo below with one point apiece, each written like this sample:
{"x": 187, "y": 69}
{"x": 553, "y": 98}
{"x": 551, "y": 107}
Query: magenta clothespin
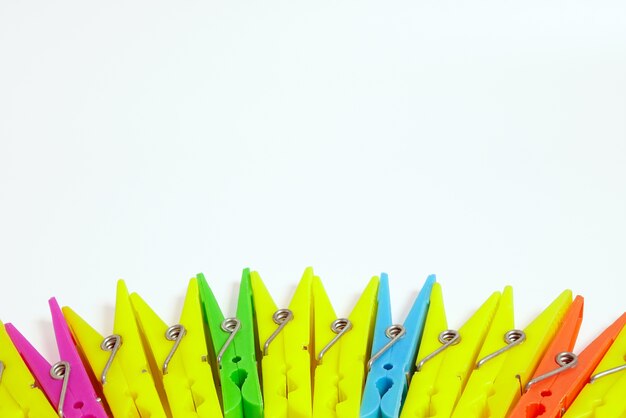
{"x": 66, "y": 383}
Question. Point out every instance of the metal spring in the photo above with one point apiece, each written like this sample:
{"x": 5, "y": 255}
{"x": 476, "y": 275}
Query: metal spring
{"x": 448, "y": 338}
{"x": 607, "y": 372}
{"x": 395, "y": 330}
{"x": 174, "y": 333}
{"x": 232, "y": 326}
{"x": 111, "y": 343}
{"x": 565, "y": 360}
{"x": 339, "y": 326}
{"x": 512, "y": 338}
{"x": 61, "y": 371}
{"x": 282, "y": 315}
{"x": 281, "y": 318}
{"x": 394, "y": 333}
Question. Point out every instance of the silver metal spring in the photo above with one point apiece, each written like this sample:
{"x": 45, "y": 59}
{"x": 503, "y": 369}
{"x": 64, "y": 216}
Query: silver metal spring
{"x": 512, "y": 338}
{"x": 232, "y": 326}
{"x": 566, "y": 360}
{"x": 61, "y": 371}
{"x": 281, "y": 318}
{"x": 339, "y": 326}
{"x": 111, "y": 343}
{"x": 448, "y": 338}
{"x": 394, "y": 333}
{"x": 608, "y": 372}
{"x": 174, "y": 333}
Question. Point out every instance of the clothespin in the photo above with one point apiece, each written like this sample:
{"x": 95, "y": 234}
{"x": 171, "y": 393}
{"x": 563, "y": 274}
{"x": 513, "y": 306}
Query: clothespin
{"x": 508, "y": 359}
{"x": 341, "y": 352}
{"x": 285, "y": 343}
{"x": 604, "y": 392}
{"x": 66, "y": 383}
{"x": 19, "y": 395}
{"x": 178, "y": 356}
{"x": 393, "y": 353}
{"x": 233, "y": 341}
{"x": 561, "y": 375}
{"x": 118, "y": 361}
{"x": 446, "y": 358}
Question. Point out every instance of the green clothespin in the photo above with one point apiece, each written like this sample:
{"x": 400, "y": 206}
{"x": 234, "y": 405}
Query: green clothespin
{"x": 233, "y": 342}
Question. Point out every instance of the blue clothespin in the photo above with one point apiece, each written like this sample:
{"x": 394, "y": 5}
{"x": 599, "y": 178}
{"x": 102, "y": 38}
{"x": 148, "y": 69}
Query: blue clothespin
{"x": 393, "y": 353}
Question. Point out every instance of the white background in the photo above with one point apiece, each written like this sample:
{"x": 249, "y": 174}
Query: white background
{"x": 151, "y": 140}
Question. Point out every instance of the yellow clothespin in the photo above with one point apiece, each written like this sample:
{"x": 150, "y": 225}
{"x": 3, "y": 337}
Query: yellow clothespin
{"x": 118, "y": 361}
{"x": 285, "y": 343}
{"x": 603, "y": 396}
{"x": 508, "y": 358}
{"x": 446, "y": 358}
{"x": 19, "y": 395}
{"x": 341, "y": 349}
{"x": 178, "y": 356}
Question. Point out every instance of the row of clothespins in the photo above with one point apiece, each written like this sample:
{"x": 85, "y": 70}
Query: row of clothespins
{"x": 304, "y": 362}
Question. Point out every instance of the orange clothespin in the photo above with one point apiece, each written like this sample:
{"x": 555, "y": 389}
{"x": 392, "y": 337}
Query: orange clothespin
{"x": 561, "y": 374}
{"x": 603, "y": 394}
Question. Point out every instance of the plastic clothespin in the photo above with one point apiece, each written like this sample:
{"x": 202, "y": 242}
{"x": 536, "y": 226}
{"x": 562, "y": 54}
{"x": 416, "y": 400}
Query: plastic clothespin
{"x": 341, "y": 352}
{"x": 233, "y": 341}
{"x": 118, "y": 362}
{"x": 508, "y": 359}
{"x": 285, "y": 343}
{"x": 393, "y": 353}
{"x": 604, "y": 392}
{"x": 446, "y": 358}
{"x": 561, "y": 375}
{"x": 178, "y": 356}
{"x": 66, "y": 383}
{"x": 19, "y": 395}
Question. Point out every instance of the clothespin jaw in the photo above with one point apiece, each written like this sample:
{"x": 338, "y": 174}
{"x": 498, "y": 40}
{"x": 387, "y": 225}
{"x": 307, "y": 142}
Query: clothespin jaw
{"x": 178, "y": 357}
{"x": 387, "y": 380}
{"x": 19, "y": 395}
{"x": 233, "y": 342}
{"x": 286, "y": 349}
{"x": 508, "y": 358}
{"x": 118, "y": 362}
{"x": 603, "y": 393}
{"x": 341, "y": 350}
{"x": 66, "y": 383}
{"x": 446, "y": 358}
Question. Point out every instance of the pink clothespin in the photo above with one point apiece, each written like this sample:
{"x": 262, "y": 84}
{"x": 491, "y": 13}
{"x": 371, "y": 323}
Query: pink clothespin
{"x": 66, "y": 383}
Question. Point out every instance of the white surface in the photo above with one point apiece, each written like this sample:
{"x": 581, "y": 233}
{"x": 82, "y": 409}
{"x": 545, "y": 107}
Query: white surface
{"x": 482, "y": 141}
